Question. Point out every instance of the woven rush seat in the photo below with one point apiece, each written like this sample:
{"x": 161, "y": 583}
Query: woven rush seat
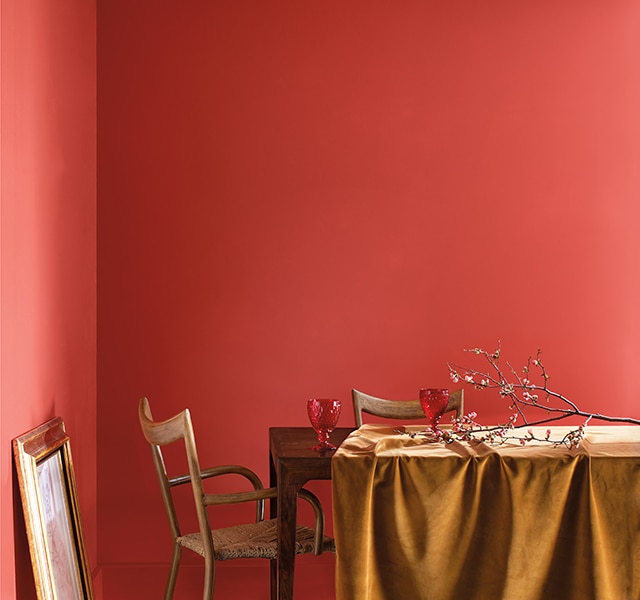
{"x": 231, "y": 542}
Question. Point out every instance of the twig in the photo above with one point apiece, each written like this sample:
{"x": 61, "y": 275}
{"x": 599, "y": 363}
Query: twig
{"x": 524, "y": 396}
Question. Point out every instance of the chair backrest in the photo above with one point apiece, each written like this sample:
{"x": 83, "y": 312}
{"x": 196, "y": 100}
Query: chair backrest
{"x": 163, "y": 433}
{"x": 399, "y": 409}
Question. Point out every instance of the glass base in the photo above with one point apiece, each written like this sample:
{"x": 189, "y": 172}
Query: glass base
{"x": 323, "y": 446}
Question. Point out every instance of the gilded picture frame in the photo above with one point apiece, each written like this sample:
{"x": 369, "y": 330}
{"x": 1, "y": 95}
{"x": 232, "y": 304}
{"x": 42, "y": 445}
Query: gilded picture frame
{"x": 52, "y": 517}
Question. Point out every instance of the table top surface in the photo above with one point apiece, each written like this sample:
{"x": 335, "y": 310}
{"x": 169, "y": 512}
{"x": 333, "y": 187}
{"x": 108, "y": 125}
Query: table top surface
{"x": 387, "y": 441}
{"x": 296, "y": 442}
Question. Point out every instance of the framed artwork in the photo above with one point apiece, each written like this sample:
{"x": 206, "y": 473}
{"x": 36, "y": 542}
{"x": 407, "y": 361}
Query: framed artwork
{"x": 51, "y": 513}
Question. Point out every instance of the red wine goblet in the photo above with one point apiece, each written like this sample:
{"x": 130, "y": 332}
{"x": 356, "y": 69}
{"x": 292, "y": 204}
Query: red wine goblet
{"x": 434, "y": 402}
{"x": 323, "y": 414}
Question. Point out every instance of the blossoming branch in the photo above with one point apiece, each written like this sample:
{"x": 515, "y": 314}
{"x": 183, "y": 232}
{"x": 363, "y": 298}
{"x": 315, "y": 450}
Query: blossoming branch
{"x": 526, "y": 397}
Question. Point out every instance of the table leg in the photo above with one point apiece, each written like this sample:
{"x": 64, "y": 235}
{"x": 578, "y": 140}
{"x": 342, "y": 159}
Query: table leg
{"x": 273, "y": 576}
{"x": 273, "y": 482}
{"x": 273, "y": 512}
{"x": 287, "y": 517}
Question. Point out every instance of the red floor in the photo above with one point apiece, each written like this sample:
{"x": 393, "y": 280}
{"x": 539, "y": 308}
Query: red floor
{"x": 234, "y": 581}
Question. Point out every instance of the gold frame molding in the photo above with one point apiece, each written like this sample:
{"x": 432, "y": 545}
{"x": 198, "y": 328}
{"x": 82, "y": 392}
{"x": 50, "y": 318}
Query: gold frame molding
{"x": 51, "y": 513}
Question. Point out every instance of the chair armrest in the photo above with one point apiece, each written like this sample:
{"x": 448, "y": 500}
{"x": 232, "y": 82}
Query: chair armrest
{"x": 236, "y": 497}
{"x": 221, "y": 470}
{"x": 233, "y": 470}
{"x": 319, "y": 513}
{"x": 258, "y": 494}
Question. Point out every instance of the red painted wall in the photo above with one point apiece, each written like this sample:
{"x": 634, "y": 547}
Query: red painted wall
{"x": 48, "y": 252}
{"x": 300, "y": 198}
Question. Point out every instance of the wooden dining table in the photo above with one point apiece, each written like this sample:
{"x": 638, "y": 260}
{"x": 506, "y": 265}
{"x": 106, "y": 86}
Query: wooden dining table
{"x": 292, "y": 463}
{"x": 426, "y": 520}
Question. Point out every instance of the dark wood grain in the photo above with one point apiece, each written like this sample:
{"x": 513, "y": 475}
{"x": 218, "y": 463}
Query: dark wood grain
{"x": 292, "y": 463}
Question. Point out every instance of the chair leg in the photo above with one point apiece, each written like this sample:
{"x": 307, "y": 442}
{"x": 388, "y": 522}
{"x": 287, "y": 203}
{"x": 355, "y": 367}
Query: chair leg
{"x": 274, "y": 579}
{"x": 209, "y": 578}
{"x": 173, "y": 572}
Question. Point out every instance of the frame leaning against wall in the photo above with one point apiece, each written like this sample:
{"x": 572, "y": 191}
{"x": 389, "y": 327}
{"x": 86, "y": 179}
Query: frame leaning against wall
{"x": 51, "y": 513}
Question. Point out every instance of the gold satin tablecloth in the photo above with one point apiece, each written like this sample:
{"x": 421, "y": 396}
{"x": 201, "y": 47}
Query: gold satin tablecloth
{"x": 417, "y": 520}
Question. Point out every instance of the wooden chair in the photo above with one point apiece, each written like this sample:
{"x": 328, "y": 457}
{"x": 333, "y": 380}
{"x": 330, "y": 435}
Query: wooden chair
{"x": 248, "y": 540}
{"x": 399, "y": 409}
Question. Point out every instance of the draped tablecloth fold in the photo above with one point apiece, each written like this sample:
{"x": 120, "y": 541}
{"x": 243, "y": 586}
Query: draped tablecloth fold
{"x": 418, "y": 520}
